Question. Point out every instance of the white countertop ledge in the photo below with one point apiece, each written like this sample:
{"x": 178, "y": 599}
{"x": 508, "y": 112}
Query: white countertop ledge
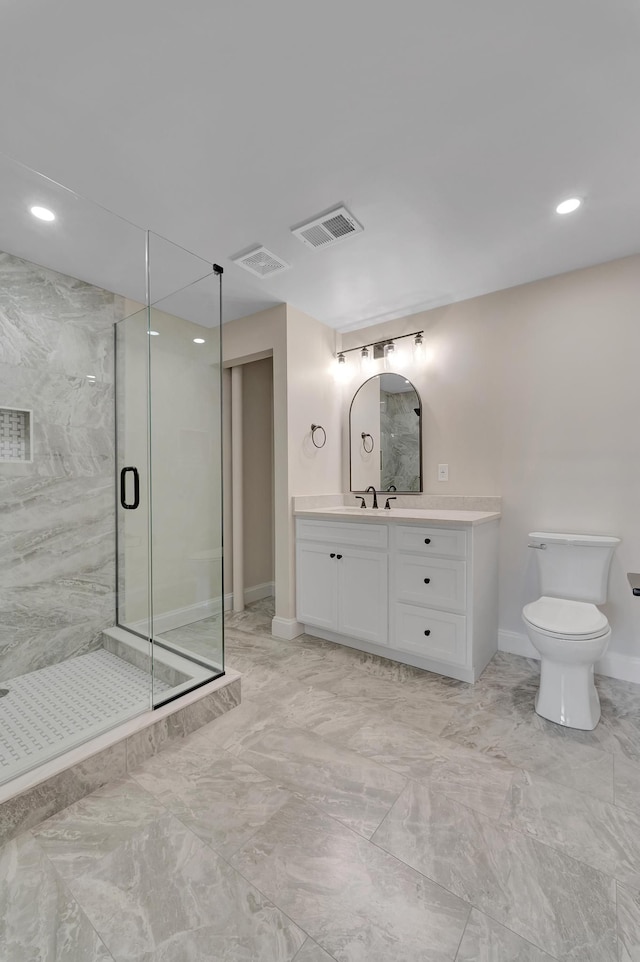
{"x": 400, "y": 515}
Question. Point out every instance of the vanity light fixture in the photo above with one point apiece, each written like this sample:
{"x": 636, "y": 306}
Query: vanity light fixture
{"x": 382, "y": 349}
{"x": 418, "y": 347}
{"x": 43, "y": 213}
{"x": 568, "y": 206}
{"x": 198, "y": 340}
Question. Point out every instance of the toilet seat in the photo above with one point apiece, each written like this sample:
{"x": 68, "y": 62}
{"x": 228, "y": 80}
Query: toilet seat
{"x": 569, "y": 620}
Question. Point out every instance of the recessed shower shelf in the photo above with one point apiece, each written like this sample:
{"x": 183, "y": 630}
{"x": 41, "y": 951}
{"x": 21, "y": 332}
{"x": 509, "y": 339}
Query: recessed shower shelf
{"x": 15, "y": 435}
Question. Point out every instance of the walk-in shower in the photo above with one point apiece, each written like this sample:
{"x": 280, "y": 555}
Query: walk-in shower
{"x": 110, "y": 471}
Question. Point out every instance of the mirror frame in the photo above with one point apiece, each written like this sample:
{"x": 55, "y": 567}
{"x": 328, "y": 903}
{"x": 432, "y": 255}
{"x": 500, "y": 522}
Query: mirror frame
{"x": 419, "y": 490}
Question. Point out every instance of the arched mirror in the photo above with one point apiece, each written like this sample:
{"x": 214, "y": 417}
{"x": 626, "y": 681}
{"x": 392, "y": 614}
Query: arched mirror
{"x": 385, "y": 435}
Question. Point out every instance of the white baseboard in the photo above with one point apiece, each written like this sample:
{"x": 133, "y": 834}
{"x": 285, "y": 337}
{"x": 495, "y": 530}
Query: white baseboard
{"x": 286, "y": 628}
{"x": 613, "y": 665}
{"x": 256, "y": 593}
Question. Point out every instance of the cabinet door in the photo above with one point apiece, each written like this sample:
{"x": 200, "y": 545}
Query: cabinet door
{"x": 434, "y": 582}
{"x": 317, "y": 585}
{"x": 431, "y": 633}
{"x": 362, "y": 595}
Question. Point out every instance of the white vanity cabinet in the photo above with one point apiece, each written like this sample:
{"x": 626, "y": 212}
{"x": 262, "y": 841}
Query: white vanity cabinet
{"x": 341, "y": 576}
{"x": 422, "y": 593}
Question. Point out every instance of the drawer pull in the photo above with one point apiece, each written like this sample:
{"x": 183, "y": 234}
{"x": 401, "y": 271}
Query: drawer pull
{"x": 332, "y": 555}
{"x": 339, "y": 557}
{"x": 427, "y": 632}
{"x": 427, "y": 580}
{"x": 427, "y": 540}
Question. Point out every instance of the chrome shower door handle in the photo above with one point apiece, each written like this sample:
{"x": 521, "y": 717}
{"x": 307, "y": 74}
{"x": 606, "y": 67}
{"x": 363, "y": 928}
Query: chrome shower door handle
{"x": 540, "y": 547}
{"x": 136, "y": 488}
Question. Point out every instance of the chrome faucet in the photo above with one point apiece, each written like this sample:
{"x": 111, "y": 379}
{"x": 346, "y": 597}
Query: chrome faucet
{"x": 375, "y": 496}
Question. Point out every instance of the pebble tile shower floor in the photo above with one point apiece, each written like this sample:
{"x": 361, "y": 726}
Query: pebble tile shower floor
{"x": 48, "y": 711}
{"x": 350, "y": 809}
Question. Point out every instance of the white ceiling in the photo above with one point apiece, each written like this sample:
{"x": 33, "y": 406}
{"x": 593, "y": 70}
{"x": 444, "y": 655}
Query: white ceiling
{"x": 450, "y": 129}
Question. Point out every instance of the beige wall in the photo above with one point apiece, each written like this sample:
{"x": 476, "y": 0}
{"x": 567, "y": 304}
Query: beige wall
{"x": 257, "y": 407}
{"x": 303, "y": 392}
{"x": 532, "y": 393}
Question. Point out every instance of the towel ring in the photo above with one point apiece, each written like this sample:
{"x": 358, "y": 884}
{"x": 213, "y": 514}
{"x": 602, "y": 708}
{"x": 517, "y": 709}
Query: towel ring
{"x": 318, "y": 427}
{"x": 364, "y": 442}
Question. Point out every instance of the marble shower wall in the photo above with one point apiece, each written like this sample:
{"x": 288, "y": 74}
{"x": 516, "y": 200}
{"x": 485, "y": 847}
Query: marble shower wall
{"x": 57, "y": 521}
{"x": 400, "y": 440}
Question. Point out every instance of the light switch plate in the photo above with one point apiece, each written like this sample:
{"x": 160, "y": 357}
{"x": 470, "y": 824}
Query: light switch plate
{"x": 443, "y": 472}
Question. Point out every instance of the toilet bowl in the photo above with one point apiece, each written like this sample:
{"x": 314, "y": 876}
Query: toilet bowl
{"x": 570, "y": 636}
{"x": 566, "y": 628}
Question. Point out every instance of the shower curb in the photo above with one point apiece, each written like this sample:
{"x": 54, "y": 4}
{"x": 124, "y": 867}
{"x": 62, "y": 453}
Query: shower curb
{"x": 81, "y": 771}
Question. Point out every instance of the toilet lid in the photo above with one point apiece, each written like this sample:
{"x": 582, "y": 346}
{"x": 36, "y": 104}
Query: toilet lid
{"x": 563, "y": 617}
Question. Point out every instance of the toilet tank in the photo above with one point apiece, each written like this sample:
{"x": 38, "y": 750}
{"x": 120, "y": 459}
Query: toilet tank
{"x": 573, "y": 566}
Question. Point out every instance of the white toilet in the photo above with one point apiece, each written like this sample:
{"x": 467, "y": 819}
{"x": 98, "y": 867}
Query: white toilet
{"x": 565, "y": 626}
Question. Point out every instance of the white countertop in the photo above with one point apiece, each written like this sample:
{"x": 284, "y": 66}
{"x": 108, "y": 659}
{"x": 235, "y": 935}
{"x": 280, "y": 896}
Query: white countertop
{"x": 399, "y": 515}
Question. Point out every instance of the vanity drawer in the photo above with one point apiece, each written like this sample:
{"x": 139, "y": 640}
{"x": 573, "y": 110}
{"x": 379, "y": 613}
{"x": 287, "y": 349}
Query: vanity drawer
{"x": 434, "y": 582}
{"x": 432, "y": 634}
{"x": 363, "y": 535}
{"x": 446, "y": 542}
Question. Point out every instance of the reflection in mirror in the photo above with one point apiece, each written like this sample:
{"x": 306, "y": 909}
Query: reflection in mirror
{"x": 386, "y": 435}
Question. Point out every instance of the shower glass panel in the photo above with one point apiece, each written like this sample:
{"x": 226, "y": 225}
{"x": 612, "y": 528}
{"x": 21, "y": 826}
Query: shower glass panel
{"x": 110, "y": 514}
{"x": 185, "y": 463}
{"x": 64, "y": 283}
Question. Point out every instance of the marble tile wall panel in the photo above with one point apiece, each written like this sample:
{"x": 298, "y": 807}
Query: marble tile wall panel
{"x": 57, "y": 521}
{"x": 400, "y": 440}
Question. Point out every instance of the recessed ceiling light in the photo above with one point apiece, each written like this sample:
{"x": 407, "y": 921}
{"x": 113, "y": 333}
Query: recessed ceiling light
{"x": 153, "y": 333}
{"x": 568, "y": 206}
{"x": 43, "y": 213}
{"x": 198, "y": 340}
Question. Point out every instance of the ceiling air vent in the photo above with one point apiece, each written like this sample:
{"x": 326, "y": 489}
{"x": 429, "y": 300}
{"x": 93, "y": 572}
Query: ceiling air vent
{"x": 261, "y": 262}
{"x": 328, "y": 229}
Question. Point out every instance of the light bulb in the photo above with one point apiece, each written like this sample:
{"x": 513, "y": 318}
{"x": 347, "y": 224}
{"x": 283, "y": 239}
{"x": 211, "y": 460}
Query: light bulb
{"x": 43, "y": 213}
{"x": 341, "y": 369}
{"x": 153, "y": 333}
{"x": 418, "y": 348}
{"x": 568, "y": 206}
{"x": 198, "y": 340}
{"x": 366, "y": 361}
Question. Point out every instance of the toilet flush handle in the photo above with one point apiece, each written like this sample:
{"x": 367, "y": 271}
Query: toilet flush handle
{"x": 540, "y": 547}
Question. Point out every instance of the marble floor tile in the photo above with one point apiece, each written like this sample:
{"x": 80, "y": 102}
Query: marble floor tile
{"x": 628, "y": 902}
{"x": 478, "y": 781}
{"x": 626, "y": 783}
{"x": 594, "y": 832}
{"x": 487, "y": 941}
{"x": 311, "y": 952}
{"x": 84, "y": 832}
{"x": 39, "y": 919}
{"x": 527, "y": 741}
{"x": 558, "y": 904}
{"x": 351, "y": 788}
{"x": 221, "y": 799}
{"x": 355, "y": 901}
{"x": 164, "y": 896}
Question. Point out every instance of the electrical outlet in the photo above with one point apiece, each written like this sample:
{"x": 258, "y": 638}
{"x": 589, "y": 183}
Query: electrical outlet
{"x": 443, "y": 472}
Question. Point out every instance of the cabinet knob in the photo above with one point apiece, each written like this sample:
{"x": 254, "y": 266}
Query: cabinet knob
{"x": 332, "y": 555}
{"x": 427, "y": 540}
{"x": 427, "y": 580}
{"x": 339, "y": 557}
{"x": 427, "y": 631}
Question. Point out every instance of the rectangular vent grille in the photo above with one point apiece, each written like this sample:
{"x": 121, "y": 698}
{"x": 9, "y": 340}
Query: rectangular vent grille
{"x": 261, "y": 262}
{"x": 328, "y": 229}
